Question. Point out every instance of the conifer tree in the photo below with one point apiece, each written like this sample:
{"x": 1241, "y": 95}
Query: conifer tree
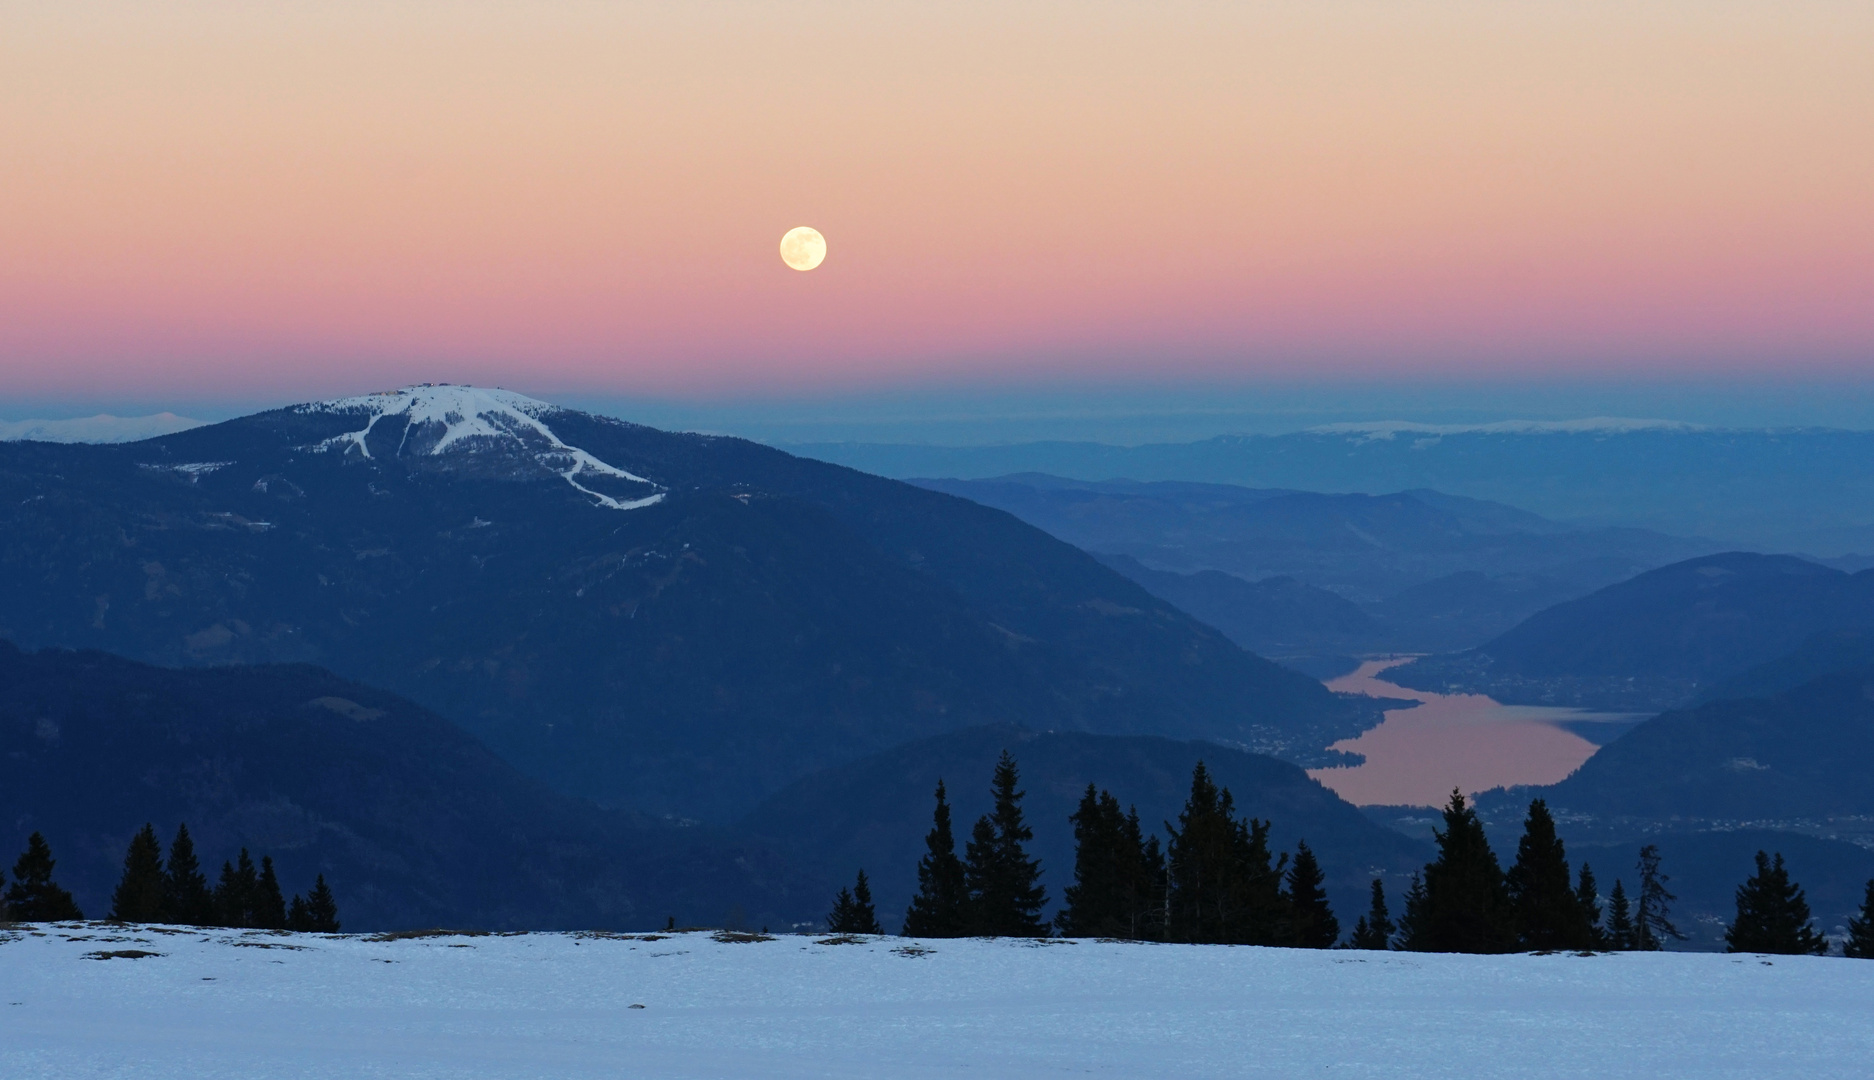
{"x": 1547, "y": 912}
{"x": 1142, "y": 882}
{"x": 1375, "y": 928}
{"x": 235, "y": 893}
{"x": 841, "y": 917}
{"x": 1095, "y": 904}
{"x": 1464, "y": 906}
{"x": 187, "y": 900}
{"x": 315, "y": 914}
{"x": 1203, "y": 862}
{"x": 1118, "y": 874}
{"x": 1651, "y": 927}
{"x": 1619, "y": 934}
{"x": 941, "y": 907}
{"x": 34, "y": 896}
{"x": 1772, "y": 914}
{"x": 1222, "y": 887}
{"x": 852, "y": 910}
{"x": 1264, "y": 907}
{"x": 297, "y": 919}
{"x": 865, "y": 916}
{"x": 1006, "y": 895}
{"x": 1588, "y": 898}
{"x": 1311, "y": 922}
{"x": 142, "y": 892}
{"x": 1860, "y": 943}
{"x": 269, "y": 906}
{"x": 1414, "y": 913}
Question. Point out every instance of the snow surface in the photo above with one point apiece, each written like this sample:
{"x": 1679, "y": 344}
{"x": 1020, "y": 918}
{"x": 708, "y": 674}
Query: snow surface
{"x": 260, "y": 1005}
{"x": 102, "y": 428}
{"x": 466, "y": 419}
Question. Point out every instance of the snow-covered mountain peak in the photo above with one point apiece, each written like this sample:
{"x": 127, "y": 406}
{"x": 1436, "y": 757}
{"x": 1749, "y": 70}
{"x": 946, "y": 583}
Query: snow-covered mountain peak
{"x": 462, "y": 412}
{"x": 440, "y": 420}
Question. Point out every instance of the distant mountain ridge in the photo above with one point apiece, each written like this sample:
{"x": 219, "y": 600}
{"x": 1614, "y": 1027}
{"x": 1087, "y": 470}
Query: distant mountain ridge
{"x": 1656, "y": 641}
{"x": 676, "y": 623}
{"x": 1433, "y": 572}
{"x": 102, "y": 428}
{"x": 1797, "y": 490}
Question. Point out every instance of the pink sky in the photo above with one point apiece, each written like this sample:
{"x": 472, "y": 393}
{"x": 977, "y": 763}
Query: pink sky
{"x": 305, "y": 198}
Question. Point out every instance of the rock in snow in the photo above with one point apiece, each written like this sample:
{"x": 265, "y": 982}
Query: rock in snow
{"x": 90, "y": 1000}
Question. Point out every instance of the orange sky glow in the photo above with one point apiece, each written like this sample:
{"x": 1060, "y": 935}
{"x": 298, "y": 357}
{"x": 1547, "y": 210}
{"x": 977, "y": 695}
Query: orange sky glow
{"x": 334, "y": 196}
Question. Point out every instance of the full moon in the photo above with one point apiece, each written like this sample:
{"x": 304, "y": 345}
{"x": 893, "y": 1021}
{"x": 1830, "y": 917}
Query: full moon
{"x": 803, "y": 248}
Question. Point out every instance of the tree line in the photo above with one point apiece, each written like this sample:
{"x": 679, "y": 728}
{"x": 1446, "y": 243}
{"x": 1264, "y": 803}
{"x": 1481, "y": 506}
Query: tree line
{"x": 1215, "y": 880}
{"x": 155, "y": 890}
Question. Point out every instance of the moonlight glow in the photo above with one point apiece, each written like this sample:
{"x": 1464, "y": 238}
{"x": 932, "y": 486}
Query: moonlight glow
{"x": 803, "y": 248}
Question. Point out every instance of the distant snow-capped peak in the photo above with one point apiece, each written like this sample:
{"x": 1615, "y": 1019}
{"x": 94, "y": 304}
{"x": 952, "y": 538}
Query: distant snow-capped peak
{"x": 102, "y": 428}
{"x": 439, "y": 419}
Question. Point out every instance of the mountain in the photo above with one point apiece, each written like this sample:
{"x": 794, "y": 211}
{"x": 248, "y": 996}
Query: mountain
{"x": 1460, "y": 610}
{"x": 412, "y": 822}
{"x": 1275, "y": 617}
{"x": 873, "y": 813}
{"x": 1653, "y": 642}
{"x": 1434, "y": 572}
{"x": 1822, "y": 654}
{"x": 1802, "y": 489}
{"x": 676, "y": 623}
{"x": 1804, "y": 753}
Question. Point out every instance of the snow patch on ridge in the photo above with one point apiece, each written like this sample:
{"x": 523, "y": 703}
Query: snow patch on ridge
{"x": 465, "y": 419}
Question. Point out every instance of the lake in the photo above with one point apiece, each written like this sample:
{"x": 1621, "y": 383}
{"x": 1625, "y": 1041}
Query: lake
{"x": 1468, "y": 741}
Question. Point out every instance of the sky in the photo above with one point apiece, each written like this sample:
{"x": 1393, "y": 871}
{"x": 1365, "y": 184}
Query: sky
{"x": 218, "y": 204}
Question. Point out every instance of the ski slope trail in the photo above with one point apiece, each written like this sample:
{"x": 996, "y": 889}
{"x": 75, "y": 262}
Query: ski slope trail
{"x": 261, "y": 1005}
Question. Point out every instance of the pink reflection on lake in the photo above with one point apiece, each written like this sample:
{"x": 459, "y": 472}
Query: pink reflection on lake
{"x": 1468, "y": 741}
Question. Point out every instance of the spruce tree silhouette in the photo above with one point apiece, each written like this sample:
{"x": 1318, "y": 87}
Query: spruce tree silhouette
{"x": 235, "y": 893}
{"x": 269, "y": 911}
{"x": 1118, "y": 874}
{"x": 852, "y": 910}
{"x": 1619, "y": 933}
{"x": 1204, "y": 860}
{"x": 1005, "y": 889}
{"x": 1860, "y": 943}
{"x": 1142, "y": 883}
{"x": 34, "y": 896}
{"x": 1222, "y": 887}
{"x": 1093, "y": 906}
{"x": 186, "y": 897}
{"x": 321, "y": 908}
{"x": 1588, "y": 898}
{"x": 143, "y": 892}
{"x": 941, "y": 907}
{"x": 1375, "y": 928}
{"x": 1311, "y": 923}
{"x": 1547, "y": 912}
{"x": 1772, "y": 914}
{"x": 1464, "y": 904}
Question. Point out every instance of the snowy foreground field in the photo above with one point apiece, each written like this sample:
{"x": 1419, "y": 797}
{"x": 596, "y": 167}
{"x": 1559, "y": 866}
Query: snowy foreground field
{"x": 567, "y": 1006}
